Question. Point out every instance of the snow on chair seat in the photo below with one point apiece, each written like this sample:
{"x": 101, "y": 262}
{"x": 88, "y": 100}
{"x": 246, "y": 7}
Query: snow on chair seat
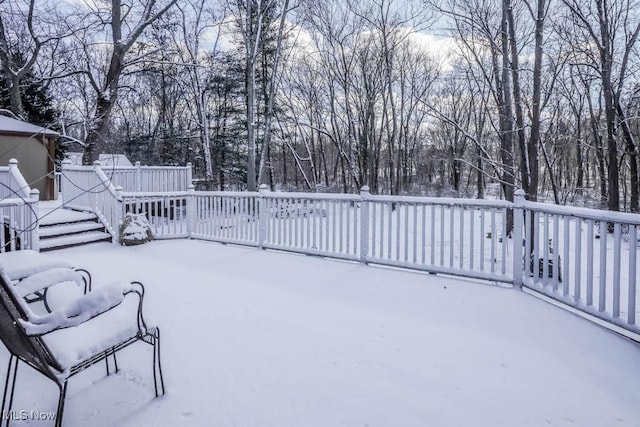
{"x": 74, "y": 337}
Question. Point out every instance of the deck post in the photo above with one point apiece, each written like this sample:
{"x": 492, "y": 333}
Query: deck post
{"x": 518, "y": 237}
{"x": 66, "y": 163}
{"x": 364, "y": 224}
{"x": 191, "y": 209}
{"x": 189, "y": 175}
{"x": 120, "y": 213}
{"x": 23, "y": 189}
{"x": 138, "y": 178}
{"x": 32, "y": 223}
{"x": 262, "y": 215}
{"x": 96, "y": 195}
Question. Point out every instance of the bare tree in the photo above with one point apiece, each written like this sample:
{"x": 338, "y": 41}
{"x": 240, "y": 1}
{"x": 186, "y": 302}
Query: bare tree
{"x": 612, "y": 28}
{"x": 126, "y": 23}
{"x": 26, "y": 29}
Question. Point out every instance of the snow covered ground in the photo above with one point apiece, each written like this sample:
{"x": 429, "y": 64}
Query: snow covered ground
{"x": 256, "y": 338}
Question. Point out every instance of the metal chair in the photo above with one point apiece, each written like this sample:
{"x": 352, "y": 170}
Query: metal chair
{"x": 35, "y": 342}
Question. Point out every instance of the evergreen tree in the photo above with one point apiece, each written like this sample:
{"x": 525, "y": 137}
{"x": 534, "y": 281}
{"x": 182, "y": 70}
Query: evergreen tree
{"x": 38, "y": 108}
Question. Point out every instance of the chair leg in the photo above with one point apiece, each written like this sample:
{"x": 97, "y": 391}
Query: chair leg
{"x": 115, "y": 361}
{"x": 9, "y": 387}
{"x": 157, "y": 365}
{"x": 63, "y": 395}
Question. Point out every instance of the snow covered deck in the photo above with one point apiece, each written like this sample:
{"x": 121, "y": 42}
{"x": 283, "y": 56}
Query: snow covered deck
{"x": 261, "y": 338}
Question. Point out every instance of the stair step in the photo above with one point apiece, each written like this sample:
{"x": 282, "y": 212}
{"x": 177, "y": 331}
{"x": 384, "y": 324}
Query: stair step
{"x": 73, "y": 240}
{"x": 65, "y": 216}
{"x": 69, "y": 228}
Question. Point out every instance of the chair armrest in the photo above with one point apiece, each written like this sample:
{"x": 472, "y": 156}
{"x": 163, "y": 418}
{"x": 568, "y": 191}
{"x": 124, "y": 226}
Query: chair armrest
{"x": 45, "y": 279}
{"x": 85, "y": 308}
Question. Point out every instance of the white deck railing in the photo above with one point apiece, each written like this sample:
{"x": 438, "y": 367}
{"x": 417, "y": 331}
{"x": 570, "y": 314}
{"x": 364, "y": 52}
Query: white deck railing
{"x": 19, "y": 221}
{"x": 439, "y": 235}
{"x": 565, "y": 253}
{"x": 12, "y": 183}
{"x": 585, "y": 258}
{"x": 99, "y": 189}
{"x": 18, "y": 210}
{"x": 89, "y": 189}
{"x": 166, "y": 212}
{"x": 149, "y": 178}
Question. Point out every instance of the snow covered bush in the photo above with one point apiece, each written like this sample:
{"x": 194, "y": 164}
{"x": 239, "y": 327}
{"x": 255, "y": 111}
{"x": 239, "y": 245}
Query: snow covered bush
{"x": 135, "y": 229}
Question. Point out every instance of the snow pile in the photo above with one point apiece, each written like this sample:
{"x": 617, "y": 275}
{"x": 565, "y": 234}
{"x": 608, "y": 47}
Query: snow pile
{"x": 79, "y": 311}
{"x": 135, "y": 229}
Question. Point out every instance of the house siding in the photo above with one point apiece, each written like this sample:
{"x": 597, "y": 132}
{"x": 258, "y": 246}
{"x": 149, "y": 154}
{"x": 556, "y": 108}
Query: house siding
{"x": 33, "y": 161}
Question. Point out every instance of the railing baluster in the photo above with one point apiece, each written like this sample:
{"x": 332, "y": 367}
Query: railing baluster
{"x": 535, "y": 263}
{"x": 406, "y": 233}
{"x": 355, "y": 228}
{"x": 423, "y": 246}
{"x": 555, "y": 261}
{"x": 442, "y": 227}
{"x": 461, "y": 239}
{"x": 398, "y": 235}
{"x": 602, "y": 294}
{"x": 577, "y": 260}
{"x": 482, "y": 239}
{"x": 373, "y": 237}
{"x": 633, "y": 246}
{"x": 233, "y": 225}
{"x": 415, "y": 233}
{"x": 565, "y": 256}
{"x": 433, "y": 234}
{"x": 380, "y": 213}
{"x": 325, "y": 219}
{"x": 590, "y": 238}
{"x": 505, "y": 241}
{"x": 282, "y": 221}
{"x": 341, "y": 225}
{"x": 545, "y": 242}
{"x": 348, "y": 242}
{"x": 389, "y": 236}
{"x": 493, "y": 240}
{"x": 451, "y": 234}
{"x": 616, "y": 269}
{"x": 472, "y": 236}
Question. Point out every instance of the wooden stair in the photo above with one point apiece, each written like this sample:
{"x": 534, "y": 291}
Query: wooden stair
{"x": 65, "y": 228}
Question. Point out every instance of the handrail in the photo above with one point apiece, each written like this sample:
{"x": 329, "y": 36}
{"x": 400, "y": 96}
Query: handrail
{"x": 106, "y": 181}
{"x": 22, "y": 187}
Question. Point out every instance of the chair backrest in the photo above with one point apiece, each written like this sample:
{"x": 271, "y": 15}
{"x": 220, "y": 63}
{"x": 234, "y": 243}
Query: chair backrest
{"x": 31, "y": 350}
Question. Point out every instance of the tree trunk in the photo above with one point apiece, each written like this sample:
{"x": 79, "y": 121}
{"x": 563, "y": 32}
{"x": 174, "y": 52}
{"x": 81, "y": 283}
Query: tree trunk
{"x": 536, "y": 107}
{"x": 15, "y": 97}
{"x": 271, "y": 94}
{"x": 525, "y": 173}
{"x": 632, "y": 153}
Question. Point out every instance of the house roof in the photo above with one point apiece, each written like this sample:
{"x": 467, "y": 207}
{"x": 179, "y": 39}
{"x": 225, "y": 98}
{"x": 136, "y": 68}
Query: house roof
{"x": 10, "y": 126}
{"x": 105, "y": 159}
